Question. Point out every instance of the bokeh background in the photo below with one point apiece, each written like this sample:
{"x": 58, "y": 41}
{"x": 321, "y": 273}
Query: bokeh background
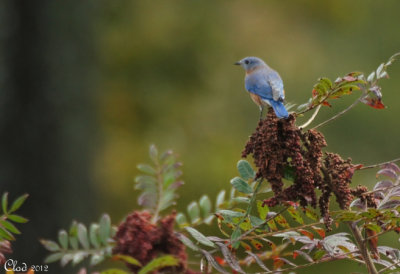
{"x": 87, "y": 86}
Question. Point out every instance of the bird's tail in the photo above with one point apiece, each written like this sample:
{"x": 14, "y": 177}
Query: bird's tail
{"x": 279, "y": 109}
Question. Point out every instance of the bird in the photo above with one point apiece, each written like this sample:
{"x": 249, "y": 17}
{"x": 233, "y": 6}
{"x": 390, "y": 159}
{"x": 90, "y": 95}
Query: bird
{"x": 264, "y": 85}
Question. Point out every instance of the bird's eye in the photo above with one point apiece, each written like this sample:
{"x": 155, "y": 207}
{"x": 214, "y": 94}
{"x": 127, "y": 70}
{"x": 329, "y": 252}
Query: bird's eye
{"x": 246, "y": 62}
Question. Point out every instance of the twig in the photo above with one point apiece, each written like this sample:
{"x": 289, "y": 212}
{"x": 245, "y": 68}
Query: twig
{"x": 340, "y": 113}
{"x": 363, "y": 248}
{"x": 388, "y": 267}
{"x": 380, "y": 164}
{"x": 311, "y": 118}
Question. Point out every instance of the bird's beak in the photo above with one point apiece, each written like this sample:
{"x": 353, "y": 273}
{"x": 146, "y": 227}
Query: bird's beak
{"x": 237, "y": 63}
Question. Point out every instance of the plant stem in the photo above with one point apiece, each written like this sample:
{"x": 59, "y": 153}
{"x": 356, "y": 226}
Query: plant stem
{"x": 362, "y": 247}
{"x": 160, "y": 193}
{"x": 380, "y": 164}
{"x": 312, "y": 118}
{"x": 340, "y": 113}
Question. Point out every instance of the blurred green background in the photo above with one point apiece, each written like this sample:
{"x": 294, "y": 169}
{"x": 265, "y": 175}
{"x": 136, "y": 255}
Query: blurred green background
{"x": 86, "y": 86}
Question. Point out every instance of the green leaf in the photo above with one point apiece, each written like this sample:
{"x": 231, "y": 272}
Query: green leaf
{"x": 50, "y": 245}
{"x": 193, "y": 212}
{"x": 83, "y": 236}
{"x": 220, "y": 199}
{"x": 262, "y": 210}
{"x": 105, "y": 228}
{"x": 230, "y": 213}
{"x": 318, "y": 254}
{"x": 199, "y": 236}
{"x": 146, "y": 169}
{"x": 295, "y": 215}
{"x": 145, "y": 182}
{"x": 205, "y": 205}
{"x": 4, "y": 234}
{"x": 9, "y": 226}
{"x": 96, "y": 258}
{"x": 127, "y": 259}
{"x": 17, "y": 218}
{"x": 242, "y": 186}
{"x": 153, "y": 153}
{"x": 181, "y": 219}
{"x": 18, "y": 203}
{"x": 310, "y": 213}
{"x": 114, "y": 271}
{"x": 94, "y": 235}
{"x": 245, "y": 170}
{"x": 289, "y": 173}
{"x": 63, "y": 239}
{"x": 73, "y": 236}
{"x": 158, "y": 263}
{"x": 78, "y": 257}
{"x": 373, "y": 227}
{"x": 4, "y": 202}
{"x": 281, "y": 221}
{"x": 54, "y": 257}
{"x": 235, "y": 235}
{"x": 255, "y": 221}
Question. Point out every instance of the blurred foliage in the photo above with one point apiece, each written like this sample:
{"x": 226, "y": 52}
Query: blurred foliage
{"x": 124, "y": 74}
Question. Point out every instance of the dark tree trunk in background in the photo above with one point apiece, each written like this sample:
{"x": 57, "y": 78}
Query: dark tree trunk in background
{"x": 46, "y": 118}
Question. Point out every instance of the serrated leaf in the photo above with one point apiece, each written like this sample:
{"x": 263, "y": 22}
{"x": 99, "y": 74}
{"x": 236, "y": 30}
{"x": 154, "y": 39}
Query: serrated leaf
{"x": 126, "y": 259}
{"x": 295, "y": 215}
{"x": 158, "y": 263}
{"x": 146, "y": 169}
{"x": 193, "y": 212}
{"x": 18, "y": 203}
{"x": 262, "y": 210}
{"x": 282, "y": 221}
{"x": 258, "y": 261}
{"x": 383, "y": 185}
{"x": 187, "y": 242}
{"x": 242, "y": 186}
{"x": 318, "y": 254}
{"x": 4, "y": 202}
{"x": 54, "y": 257}
{"x": 310, "y": 213}
{"x": 210, "y": 259}
{"x": 96, "y": 258}
{"x": 220, "y": 199}
{"x": 205, "y": 206}
{"x": 17, "y": 218}
{"x": 389, "y": 204}
{"x": 229, "y": 258}
{"x": 9, "y": 226}
{"x": 371, "y": 76}
{"x": 199, "y": 236}
{"x": 373, "y": 227}
{"x": 387, "y": 172}
{"x": 105, "y": 228}
{"x": 319, "y": 230}
{"x": 50, "y": 245}
{"x": 63, "y": 239}
{"x": 83, "y": 236}
{"x": 153, "y": 153}
{"x": 6, "y": 235}
{"x": 94, "y": 235}
{"x": 245, "y": 170}
{"x": 78, "y": 257}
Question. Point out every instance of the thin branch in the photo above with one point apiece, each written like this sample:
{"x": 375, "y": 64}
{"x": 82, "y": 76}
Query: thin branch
{"x": 340, "y": 113}
{"x": 363, "y": 248}
{"x": 388, "y": 267}
{"x": 311, "y": 118}
{"x": 379, "y": 234}
{"x": 380, "y": 164}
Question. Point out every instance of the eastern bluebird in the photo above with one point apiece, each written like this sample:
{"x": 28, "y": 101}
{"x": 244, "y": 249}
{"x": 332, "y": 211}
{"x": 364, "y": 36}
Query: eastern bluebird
{"x": 264, "y": 85}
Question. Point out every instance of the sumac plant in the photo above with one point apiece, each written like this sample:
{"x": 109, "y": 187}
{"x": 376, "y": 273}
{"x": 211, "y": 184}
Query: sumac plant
{"x": 278, "y": 216}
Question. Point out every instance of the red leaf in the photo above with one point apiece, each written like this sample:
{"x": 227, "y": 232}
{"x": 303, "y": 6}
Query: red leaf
{"x": 278, "y": 263}
{"x": 373, "y": 243}
{"x": 306, "y": 233}
{"x": 295, "y": 254}
{"x": 314, "y": 93}
{"x": 319, "y": 230}
{"x": 220, "y": 260}
{"x": 325, "y": 103}
{"x": 374, "y": 102}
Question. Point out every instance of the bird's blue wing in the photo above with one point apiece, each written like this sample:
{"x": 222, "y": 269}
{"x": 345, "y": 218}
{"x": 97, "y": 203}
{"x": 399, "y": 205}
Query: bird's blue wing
{"x": 259, "y": 85}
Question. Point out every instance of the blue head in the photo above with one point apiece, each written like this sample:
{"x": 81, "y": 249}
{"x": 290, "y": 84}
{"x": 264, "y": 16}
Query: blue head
{"x": 251, "y": 63}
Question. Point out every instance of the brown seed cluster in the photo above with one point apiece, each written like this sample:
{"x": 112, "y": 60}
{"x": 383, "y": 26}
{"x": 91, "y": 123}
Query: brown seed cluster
{"x": 279, "y": 148}
{"x": 138, "y": 237}
{"x": 361, "y": 192}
